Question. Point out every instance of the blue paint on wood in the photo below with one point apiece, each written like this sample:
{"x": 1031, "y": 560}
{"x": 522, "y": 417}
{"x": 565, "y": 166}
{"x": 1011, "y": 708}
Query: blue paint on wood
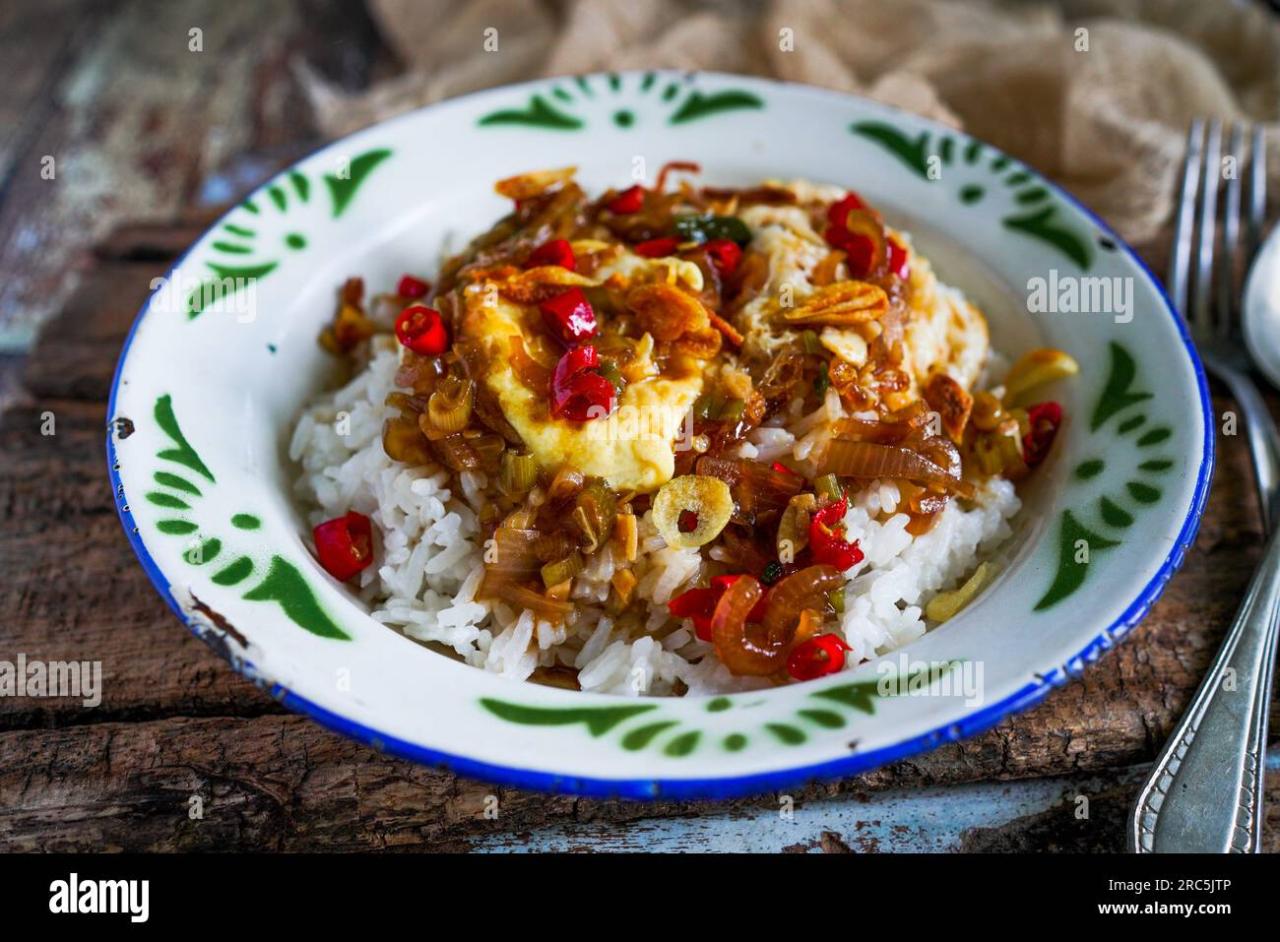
{"x": 927, "y": 820}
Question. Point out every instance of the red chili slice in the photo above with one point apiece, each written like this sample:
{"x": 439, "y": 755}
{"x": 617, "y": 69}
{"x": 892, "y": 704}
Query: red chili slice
{"x": 838, "y": 212}
{"x": 693, "y": 602}
{"x": 630, "y": 200}
{"x": 412, "y": 288}
{"x": 817, "y": 657}
{"x": 700, "y": 604}
{"x": 1044, "y": 418}
{"x": 576, "y": 392}
{"x": 657, "y": 248}
{"x": 725, "y": 254}
{"x": 898, "y": 263}
{"x": 826, "y": 537}
{"x": 859, "y": 249}
{"x": 555, "y": 252}
{"x": 422, "y": 330}
{"x": 588, "y": 396}
{"x": 570, "y": 316}
{"x": 344, "y": 545}
{"x": 578, "y": 360}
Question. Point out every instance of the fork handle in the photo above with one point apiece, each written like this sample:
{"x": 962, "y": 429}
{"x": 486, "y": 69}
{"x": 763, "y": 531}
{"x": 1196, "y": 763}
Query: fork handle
{"x": 1204, "y": 794}
{"x": 1260, "y": 430}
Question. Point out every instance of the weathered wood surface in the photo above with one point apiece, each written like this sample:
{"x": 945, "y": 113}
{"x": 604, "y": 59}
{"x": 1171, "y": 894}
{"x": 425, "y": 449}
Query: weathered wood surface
{"x": 175, "y": 722}
{"x": 117, "y": 109}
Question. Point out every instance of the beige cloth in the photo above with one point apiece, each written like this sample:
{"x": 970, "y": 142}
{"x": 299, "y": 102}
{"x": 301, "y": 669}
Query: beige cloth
{"x": 1095, "y": 93}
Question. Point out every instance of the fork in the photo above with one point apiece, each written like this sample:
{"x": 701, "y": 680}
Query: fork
{"x": 1204, "y": 793}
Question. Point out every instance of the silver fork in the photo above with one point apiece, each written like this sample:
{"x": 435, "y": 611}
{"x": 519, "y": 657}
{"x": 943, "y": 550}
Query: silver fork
{"x": 1204, "y": 793}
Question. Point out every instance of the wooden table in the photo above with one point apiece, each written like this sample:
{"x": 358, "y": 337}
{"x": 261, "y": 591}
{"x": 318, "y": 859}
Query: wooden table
{"x": 175, "y": 722}
{"x": 146, "y": 130}
{"x": 112, "y": 111}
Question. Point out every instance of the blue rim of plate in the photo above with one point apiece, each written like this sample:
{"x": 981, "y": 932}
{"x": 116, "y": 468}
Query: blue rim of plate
{"x": 736, "y": 786}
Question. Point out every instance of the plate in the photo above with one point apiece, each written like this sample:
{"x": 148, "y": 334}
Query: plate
{"x": 224, "y": 355}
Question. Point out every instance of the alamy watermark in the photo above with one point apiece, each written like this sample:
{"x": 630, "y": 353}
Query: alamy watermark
{"x": 904, "y": 677}
{"x": 76, "y": 895}
{"x": 1108, "y": 296}
{"x": 79, "y": 680}
{"x": 233, "y": 295}
{"x": 646, "y": 423}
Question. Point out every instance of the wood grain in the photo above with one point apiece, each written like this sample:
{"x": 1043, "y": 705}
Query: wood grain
{"x": 138, "y": 116}
{"x": 175, "y": 721}
{"x": 282, "y": 783}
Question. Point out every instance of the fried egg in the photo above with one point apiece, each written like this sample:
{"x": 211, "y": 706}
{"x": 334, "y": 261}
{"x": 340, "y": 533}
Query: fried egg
{"x": 633, "y": 449}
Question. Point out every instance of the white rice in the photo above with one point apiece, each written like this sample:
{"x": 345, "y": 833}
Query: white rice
{"x": 429, "y": 561}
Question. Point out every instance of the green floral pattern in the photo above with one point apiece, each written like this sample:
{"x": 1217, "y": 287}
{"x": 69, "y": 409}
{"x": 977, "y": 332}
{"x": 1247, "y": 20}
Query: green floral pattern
{"x": 631, "y": 101}
{"x": 274, "y": 579}
{"x": 734, "y": 731}
{"x": 238, "y": 257}
{"x": 1034, "y": 212}
{"x": 1121, "y": 426}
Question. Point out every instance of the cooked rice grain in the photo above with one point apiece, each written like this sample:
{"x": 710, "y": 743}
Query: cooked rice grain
{"x": 429, "y": 558}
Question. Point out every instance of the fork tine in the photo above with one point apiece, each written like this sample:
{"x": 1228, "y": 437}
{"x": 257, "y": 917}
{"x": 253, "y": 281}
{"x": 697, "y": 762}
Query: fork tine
{"x": 1206, "y": 218}
{"x": 1180, "y": 257}
{"x": 1257, "y": 211}
{"x": 1228, "y": 312}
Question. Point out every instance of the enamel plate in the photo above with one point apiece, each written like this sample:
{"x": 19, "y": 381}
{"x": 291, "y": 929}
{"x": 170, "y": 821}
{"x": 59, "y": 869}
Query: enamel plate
{"x": 210, "y": 383}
